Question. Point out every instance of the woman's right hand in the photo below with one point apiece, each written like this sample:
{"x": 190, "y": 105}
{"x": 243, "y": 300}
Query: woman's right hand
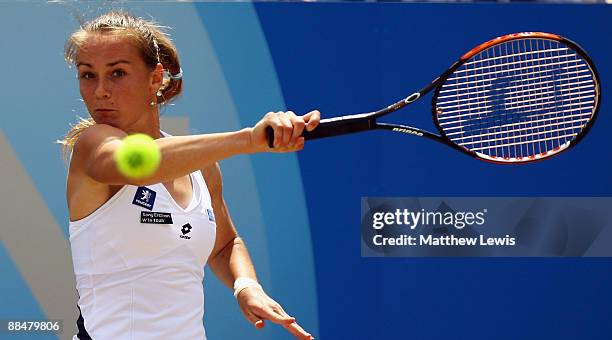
{"x": 288, "y": 128}
{"x": 257, "y": 306}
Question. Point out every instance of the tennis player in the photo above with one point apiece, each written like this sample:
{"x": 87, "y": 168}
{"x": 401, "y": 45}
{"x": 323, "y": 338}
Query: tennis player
{"x": 139, "y": 246}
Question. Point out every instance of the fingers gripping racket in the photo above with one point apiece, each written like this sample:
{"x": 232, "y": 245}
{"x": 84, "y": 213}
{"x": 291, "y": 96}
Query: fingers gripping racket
{"x": 517, "y": 98}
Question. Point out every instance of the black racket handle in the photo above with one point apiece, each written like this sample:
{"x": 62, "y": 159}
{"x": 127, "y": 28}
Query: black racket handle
{"x": 332, "y": 127}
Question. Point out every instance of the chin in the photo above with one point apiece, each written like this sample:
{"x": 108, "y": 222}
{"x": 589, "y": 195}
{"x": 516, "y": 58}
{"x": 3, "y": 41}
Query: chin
{"x": 107, "y": 122}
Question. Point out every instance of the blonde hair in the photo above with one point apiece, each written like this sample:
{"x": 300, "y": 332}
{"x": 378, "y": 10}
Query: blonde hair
{"x": 155, "y": 47}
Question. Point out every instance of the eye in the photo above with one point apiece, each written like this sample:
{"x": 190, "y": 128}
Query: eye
{"x": 86, "y": 75}
{"x": 118, "y": 73}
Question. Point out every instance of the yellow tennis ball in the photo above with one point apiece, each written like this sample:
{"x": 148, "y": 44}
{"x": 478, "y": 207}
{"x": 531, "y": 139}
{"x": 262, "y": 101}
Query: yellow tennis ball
{"x": 138, "y": 156}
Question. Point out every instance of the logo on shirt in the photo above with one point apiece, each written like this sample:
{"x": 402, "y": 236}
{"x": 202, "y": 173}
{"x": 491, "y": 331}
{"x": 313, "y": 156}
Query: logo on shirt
{"x": 155, "y": 217}
{"x": 144, "y": 197}
{"x": 186, "y": 229}
{"x": 211, "y": 216}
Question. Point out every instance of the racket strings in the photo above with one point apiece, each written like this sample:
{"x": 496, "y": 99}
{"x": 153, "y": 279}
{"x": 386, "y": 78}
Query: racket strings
{"x": 575, "y": 118}
{"x": 527, "y": 132}
{"x": 582, "y": 74}
{"x": 521, "y": 98}
{"x": 524, "y": 69}
{"x": 522, "y": 101}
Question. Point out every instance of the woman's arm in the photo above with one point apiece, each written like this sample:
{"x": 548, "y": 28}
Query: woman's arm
{"x": 181, "y": 155}
{"x": 230, "y": 260}
{"x": 95, "y": 148}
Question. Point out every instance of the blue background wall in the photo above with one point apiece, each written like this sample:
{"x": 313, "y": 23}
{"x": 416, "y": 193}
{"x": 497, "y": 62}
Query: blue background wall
{"x": 356, "y": 58}
{"x": 300, "y": 213}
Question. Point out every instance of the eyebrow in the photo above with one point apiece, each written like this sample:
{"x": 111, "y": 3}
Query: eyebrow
{"x": 109, "y": 64}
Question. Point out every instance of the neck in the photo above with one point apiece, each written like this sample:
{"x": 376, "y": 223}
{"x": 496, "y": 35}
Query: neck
{"x": 148, "y": 124}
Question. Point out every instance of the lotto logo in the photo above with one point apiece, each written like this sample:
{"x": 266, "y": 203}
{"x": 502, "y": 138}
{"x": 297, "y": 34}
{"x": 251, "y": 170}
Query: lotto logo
{"x": 186, "y": 229}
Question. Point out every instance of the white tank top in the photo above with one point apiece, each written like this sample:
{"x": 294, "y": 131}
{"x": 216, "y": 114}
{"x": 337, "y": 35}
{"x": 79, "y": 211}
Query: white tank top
{"x": 139, "y": 263}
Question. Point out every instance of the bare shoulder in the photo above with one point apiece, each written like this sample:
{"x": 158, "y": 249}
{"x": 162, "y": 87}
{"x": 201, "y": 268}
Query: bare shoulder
{"x": 84, "y": 194}
{"x": 94, "y": 136}
{"x": 90, "y": 143}
{"x": 212, "y": 176}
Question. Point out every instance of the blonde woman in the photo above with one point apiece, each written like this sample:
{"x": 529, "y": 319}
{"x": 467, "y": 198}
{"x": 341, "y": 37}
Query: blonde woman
{"x": 139, "y": 246}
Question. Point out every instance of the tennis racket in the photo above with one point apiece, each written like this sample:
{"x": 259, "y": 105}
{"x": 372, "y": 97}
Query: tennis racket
{"x": 514, "y": 99}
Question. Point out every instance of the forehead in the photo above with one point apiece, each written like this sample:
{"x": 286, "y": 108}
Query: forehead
{"x": 103, "y": 48}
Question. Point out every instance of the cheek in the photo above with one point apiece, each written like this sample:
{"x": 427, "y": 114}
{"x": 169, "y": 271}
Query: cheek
{"x": 127, "y": 99}
{"x": 87, "y": 92}
{"x": 130, "y": 91}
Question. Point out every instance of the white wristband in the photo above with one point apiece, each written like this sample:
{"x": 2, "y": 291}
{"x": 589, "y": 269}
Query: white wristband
{"x": 244, "y": 282}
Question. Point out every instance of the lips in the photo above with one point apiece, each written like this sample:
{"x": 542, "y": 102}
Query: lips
{"x": 106, "y": 116}
{"x": 106, "y": 113}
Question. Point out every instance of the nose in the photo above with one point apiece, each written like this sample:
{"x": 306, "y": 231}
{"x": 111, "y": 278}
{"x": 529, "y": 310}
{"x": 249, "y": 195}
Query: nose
{"x": 102, "y": 91}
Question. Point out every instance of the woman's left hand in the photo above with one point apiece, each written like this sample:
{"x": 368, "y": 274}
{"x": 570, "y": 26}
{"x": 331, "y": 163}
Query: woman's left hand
{"x": 257, "y": 306}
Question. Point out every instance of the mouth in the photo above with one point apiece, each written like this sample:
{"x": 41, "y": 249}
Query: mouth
{"x": 104, "y": 110}
{"x": 106, "y": 116}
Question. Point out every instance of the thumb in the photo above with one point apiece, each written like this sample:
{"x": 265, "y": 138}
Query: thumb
{"x": 312, "y": 119}
{"x": 253, "y": 318}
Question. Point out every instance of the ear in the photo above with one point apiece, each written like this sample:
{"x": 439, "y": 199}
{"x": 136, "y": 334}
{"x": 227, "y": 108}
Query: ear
{"x": 157, "y": 78}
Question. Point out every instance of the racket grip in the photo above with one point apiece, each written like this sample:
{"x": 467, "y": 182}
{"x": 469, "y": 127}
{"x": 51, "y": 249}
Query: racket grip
{"x": 270, "y": 137}
{"x": 331, "y": 127}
